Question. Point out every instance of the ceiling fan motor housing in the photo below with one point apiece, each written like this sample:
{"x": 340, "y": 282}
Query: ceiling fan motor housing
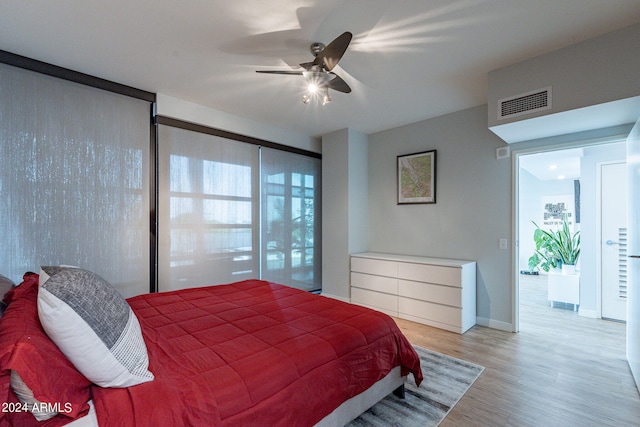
{"x": 316, "y": 48}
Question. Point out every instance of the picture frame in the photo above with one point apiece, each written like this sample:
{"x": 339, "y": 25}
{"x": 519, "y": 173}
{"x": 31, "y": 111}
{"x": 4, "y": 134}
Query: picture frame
{"x": 417, "y": 178}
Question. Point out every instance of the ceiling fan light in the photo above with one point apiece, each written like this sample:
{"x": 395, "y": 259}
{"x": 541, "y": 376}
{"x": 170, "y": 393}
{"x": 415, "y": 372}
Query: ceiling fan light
{"x": 327, "y": 98}
{"x": 318, "y": 78}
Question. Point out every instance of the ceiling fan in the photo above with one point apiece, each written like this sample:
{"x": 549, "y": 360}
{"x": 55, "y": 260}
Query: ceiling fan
{"x": 318, "y": 72}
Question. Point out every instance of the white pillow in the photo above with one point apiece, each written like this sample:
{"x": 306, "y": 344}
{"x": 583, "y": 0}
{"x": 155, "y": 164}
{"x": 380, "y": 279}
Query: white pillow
{"x": 92, "y": 324}
{"x": 25, "y": 395}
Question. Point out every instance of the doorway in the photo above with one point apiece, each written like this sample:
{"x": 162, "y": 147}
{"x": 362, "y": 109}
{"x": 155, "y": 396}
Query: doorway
{"x": 566, "y": 178}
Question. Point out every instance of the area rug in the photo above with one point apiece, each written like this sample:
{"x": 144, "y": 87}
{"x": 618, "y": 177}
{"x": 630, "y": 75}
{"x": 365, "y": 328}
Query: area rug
{"x": 446, "y": 380}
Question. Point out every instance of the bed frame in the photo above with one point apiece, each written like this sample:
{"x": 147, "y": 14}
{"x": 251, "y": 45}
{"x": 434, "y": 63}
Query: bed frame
{"x": 352, "y": 408}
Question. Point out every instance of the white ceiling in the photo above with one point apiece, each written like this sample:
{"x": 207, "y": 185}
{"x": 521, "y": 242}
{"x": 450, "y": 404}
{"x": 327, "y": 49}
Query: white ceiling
{"x": 554, "y": 165}
{"x": 564, "y": 163}
{"x": 409, "y": 59}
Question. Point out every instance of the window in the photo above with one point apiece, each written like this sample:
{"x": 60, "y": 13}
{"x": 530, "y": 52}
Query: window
{"x": 291, "y": 219}
{"x": 232, "y": 210}
{"x": 207, "y": 212}
{"x": 74, "y": 179}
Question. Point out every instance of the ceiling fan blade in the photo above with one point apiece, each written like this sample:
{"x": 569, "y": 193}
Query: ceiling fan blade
{"x": 338, "y": 84}
{"x": 331, "y": 54}
{"x": 296, "y": 73}
{"x": 307, "y": 65}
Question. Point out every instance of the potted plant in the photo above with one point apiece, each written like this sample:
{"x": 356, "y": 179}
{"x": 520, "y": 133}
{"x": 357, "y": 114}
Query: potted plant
{"x": 555, "y": 248}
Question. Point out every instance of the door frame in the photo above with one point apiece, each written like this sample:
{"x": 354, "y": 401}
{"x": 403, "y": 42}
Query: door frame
{"x": 527, "y": 149}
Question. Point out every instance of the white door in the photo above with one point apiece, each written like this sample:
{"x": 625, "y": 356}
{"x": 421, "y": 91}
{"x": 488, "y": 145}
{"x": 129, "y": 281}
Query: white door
{"x": 633, "y": 242}
{"x": 613, "y": 238}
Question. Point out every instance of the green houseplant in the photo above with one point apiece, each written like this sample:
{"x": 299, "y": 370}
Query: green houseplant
{"x": 555, "y": 248}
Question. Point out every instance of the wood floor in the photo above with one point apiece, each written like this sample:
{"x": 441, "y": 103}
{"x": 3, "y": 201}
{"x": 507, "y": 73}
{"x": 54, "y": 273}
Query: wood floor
{"x": 561, "y": 369}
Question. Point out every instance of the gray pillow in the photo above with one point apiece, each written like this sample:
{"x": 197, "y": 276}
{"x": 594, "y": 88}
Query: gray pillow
{"x": 93, "y": 325}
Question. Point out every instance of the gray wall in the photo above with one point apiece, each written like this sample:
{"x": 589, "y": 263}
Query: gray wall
{"x": 595, "y": 71}
{"x": 473, "y": 209}
{"x": 344, "y": 207}
{"x": 195, "y": 113}
{"x": 358, "y": 192}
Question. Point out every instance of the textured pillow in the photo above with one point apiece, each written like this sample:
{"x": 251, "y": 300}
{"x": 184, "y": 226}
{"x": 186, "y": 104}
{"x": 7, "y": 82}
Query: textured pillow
{"x": 93, "y": 326}
{"x": 32, "y": 365}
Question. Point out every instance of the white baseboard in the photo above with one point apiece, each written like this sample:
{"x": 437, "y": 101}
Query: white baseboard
{"x": 343, "y": 299}
{"x": 482, "y": 321}
{"x": 495, "y": 324}
{"x": 588, "y": 313}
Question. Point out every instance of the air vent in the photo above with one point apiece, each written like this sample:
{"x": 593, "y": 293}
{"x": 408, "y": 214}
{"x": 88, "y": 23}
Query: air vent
{"x": 525, "y": 103}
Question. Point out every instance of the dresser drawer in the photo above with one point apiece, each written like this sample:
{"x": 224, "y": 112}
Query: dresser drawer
{"x": 374, "y": 266}
{"x": 430, "y": 273}
{"x": 434, "y": 291}
{"x": 430, "y": 311}
{"x": 439, "y": 294}
{"x": 387, "y": 285}
{"x": 383, "y": 302}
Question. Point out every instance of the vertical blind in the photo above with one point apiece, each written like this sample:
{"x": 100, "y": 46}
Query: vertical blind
{"x": 231, "y": 210}
{"x": 74, "y": 179}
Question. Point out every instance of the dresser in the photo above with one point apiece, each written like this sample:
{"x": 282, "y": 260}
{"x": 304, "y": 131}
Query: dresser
{"x": 434, "y": 291}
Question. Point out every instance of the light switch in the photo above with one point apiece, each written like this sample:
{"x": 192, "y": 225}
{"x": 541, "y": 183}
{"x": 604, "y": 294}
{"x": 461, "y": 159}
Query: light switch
{"x": 502, "y": 244}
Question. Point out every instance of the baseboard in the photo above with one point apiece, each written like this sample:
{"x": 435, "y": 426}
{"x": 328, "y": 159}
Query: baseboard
{"x": 482, "y": 321}
{"x": 494, "y": 324}
{"x": 588, "y": 313}
{"x": 343, "y": 299}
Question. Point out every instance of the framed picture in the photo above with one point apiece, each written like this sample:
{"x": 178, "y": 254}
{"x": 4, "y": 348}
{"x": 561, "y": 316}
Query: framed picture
{"x": 417, "y": 178}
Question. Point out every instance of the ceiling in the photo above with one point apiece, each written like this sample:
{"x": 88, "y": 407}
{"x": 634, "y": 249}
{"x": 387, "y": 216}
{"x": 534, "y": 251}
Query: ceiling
{"x": 554, "y": 165}
{"x": 564, "y": 163}
{"x": 409, "y": 59}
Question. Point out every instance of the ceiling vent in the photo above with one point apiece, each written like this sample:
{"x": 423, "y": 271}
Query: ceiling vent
{"x": 525, "y": 103}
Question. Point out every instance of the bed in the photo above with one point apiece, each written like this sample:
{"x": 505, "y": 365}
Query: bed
{"x": 246, "y": 353}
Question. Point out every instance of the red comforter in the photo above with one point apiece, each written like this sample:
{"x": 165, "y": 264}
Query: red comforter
{"x": 253, "y": 353}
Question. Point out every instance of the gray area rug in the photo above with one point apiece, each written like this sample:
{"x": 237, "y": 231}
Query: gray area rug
{"x": 446, "y": 380}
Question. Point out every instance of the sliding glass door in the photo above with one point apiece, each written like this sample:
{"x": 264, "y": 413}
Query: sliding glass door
{"x": 291, "y": 219}
{"x": 207, "y": 222}
{"x": 230, "y": 210}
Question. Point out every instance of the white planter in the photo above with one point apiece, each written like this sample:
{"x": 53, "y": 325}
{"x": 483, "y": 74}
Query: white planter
{"x": 568, "y": 269}
{"x": 564, "y": 288}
